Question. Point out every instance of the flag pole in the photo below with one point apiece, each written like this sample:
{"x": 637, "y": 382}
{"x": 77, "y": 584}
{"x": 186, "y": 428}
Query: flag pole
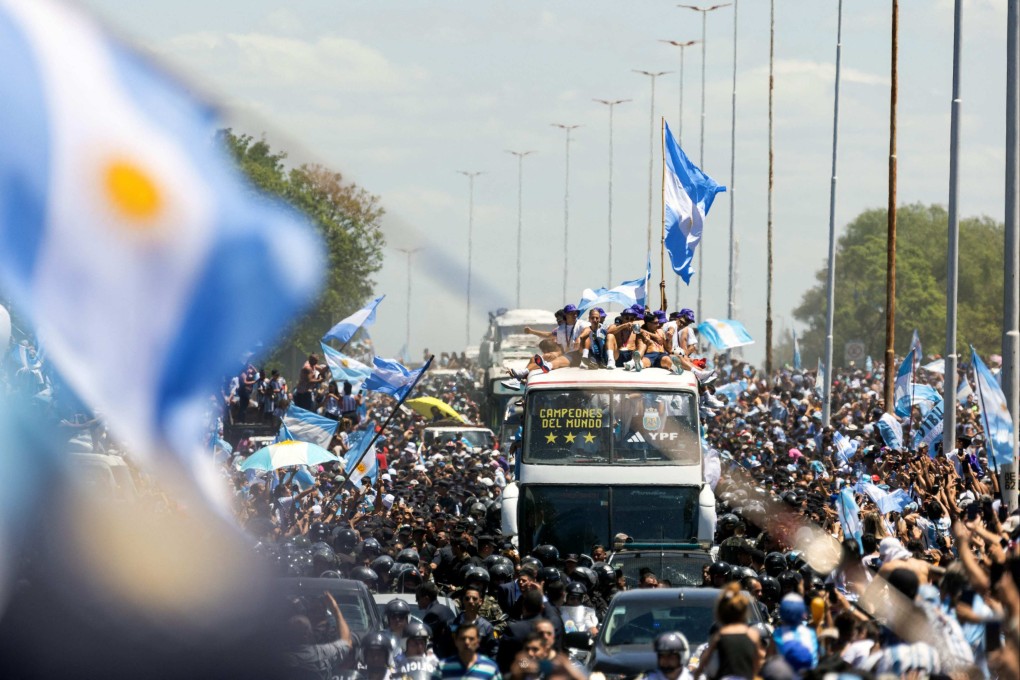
{"x": 663, "y": 303}
{"x": 396, "y": 408}
{"x": 989, "y": 453}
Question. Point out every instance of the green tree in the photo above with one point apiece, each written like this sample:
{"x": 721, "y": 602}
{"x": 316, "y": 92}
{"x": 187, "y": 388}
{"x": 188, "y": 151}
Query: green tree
{"x": 921, "y": 247}
{"x": 346, "y": 216}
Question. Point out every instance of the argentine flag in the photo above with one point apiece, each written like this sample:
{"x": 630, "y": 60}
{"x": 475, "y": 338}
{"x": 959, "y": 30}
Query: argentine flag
{"x": 891, "y": 431}
{"x": 849, "y": 514}
{"x": 901, "y": 388}
{"x": 345, "y": 369}
{"x": 304, "y": 426}
{"x": 128, "y": 233}
{"x": 627, "y": 294}
{"x": 687, "y": 195}
{"x": 345, "y": 330}
{"x": 724, "y": 333}
{"x": 392, "y": 377}
{"x": 360, "y": 461}
{"x": 796, "y": 352}
{"x": 995, "y": 412}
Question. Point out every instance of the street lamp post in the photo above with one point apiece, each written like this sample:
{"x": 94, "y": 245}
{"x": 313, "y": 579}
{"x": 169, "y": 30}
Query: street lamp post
{"x": 407, "y": 331}
{"x": 701, "y": 155}
{"x": 566, "y": 205}
{"x": 611, "y": 103}
{"x": 520, "y": 182}
{"x": 651, "y": 149}
{"x": 471, "y": 227}
{"x": 680, "y": 120}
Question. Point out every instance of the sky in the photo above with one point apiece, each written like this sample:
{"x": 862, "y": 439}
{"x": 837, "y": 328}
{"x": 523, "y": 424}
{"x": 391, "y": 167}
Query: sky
{"x": 400, "y": 95}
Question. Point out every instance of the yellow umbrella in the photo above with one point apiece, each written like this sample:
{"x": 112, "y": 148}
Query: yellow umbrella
{"x": 430, "y": 406}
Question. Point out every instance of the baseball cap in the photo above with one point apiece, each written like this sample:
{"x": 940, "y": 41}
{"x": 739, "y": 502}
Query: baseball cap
{"x": 570, "y": 308}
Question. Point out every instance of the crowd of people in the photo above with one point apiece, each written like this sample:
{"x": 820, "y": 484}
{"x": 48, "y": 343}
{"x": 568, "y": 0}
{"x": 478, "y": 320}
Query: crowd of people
{"x": 925, "y": 581}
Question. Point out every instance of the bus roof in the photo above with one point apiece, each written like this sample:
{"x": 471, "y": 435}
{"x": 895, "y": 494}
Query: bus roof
{"x": 523, "y": 317}
{"x": 577, "y": 378}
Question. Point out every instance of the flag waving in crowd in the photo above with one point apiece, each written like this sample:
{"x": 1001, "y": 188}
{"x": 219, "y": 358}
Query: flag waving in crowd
{"x": 687, "y": 196}
{"x": 346, "y": 328}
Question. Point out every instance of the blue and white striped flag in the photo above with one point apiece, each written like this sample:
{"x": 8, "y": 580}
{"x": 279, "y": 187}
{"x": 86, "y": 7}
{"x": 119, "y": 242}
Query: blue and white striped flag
{"x": 305, "y": 426}
{"x": 891, "y": 431}
{"x": 128, "y": 231}
{"x": 344, "y": 368}
{"x": 820, "y": 379}
{"x": 869, "y": 365}
{"x": 360, "y": 461}
{"x": 732, "y": 390}
{"x": 392, "y": 377}
{"x": 921, "y": 395}
{"x": 843, "y": 447}
{"x": 901, "y": 388}
{"x": 796, "y": 351}
{"x": 964, "y": 391}
{"x": 627, "y": 294}
{"x": 724, "y": 333}
{"x": 995, "y": 413}
{"x": 687, "y": 196}
{"x": 345, "y": 330}
{"x": 849, "y": 514}
{"x": 886, "y": 501}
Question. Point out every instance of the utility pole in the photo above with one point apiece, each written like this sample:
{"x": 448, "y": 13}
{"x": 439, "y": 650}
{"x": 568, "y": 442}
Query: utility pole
{"x": 772, "y": 138}
{"x": 566, "y": 206}
{"x": 890, "y": 268}
{"x": 1011, "y": 280}
{"x": 520, "y": 183}
{"x": 830, "y": 280}
{"x": 953, "y": 250}
{"x": 407, "y": 330}
{"x": 733, "y": 168}
{"x": 471, "y": 224}
{"x": 701, "y": 156}
{"x": 611, "y": 103}
{"x": 651, "y": 151}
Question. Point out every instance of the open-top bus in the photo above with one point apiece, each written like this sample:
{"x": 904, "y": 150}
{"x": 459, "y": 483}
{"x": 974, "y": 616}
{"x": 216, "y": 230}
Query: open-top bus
{"x": 606, "y": 453}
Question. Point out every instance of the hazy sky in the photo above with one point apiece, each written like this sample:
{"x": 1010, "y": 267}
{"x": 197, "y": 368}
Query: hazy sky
{"x": 399, "y": 95}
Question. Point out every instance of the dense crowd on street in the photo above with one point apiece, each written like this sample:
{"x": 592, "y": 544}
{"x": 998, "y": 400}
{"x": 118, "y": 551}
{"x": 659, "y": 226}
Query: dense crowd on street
{"x": 925, "y": 582}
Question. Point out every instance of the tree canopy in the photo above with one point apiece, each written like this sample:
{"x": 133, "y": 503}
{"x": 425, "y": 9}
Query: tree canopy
{"x": 346, "y": 216}
{"x": 921, "y": 262}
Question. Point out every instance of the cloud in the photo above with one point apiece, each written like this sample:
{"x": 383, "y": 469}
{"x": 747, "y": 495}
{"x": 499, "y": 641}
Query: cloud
{"x": 275, "y": 61}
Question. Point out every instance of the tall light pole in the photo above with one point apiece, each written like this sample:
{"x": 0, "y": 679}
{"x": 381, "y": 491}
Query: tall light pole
{"x": 520, "y": 183}
{"x": 733, "y": 170}
{"x": 471, "y": 227}
{"x": 407, "y": 331}
{"x": 701, "y": 156}
{"x": 953, "y": 249}
{"x": 890, "y": 254}
{"x": 651, "y": 150}
{"x": 611, "y": 103}
{"x": 768, "y": 237}
{"x": 1011, "y": 270}
{"x": 830, "y": 283}
{"x": 566, "y": 205}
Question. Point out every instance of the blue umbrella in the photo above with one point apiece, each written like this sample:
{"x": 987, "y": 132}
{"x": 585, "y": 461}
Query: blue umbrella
{"x": 287, "y": 454}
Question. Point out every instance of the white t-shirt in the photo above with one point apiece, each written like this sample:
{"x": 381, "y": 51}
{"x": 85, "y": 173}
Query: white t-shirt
{"x": 573, "y": 333}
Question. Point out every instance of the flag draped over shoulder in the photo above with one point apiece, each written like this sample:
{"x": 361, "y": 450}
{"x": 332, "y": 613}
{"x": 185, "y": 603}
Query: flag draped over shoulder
{"x": 345, "y": 330}
{"x": 687, "y": 196}
{"x": 724, "y": 333}
{"x": 628, "y": 293}
{"x": 995, "y": 413}
{"x": 129, "y": 232}
{"x": 891, "y": 431}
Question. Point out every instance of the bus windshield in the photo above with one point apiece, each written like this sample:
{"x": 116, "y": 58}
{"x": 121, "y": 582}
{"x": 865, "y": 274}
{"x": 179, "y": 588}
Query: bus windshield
{"x": 606, "y": 427}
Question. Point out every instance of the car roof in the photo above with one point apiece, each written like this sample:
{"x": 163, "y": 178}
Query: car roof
{"x": 344, "y": 584}
{"x": 678, "y": 595}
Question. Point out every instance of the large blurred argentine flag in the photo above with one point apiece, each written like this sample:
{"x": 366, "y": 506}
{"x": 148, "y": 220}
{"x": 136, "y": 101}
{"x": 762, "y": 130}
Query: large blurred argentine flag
{"x": 146, "y": 263}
